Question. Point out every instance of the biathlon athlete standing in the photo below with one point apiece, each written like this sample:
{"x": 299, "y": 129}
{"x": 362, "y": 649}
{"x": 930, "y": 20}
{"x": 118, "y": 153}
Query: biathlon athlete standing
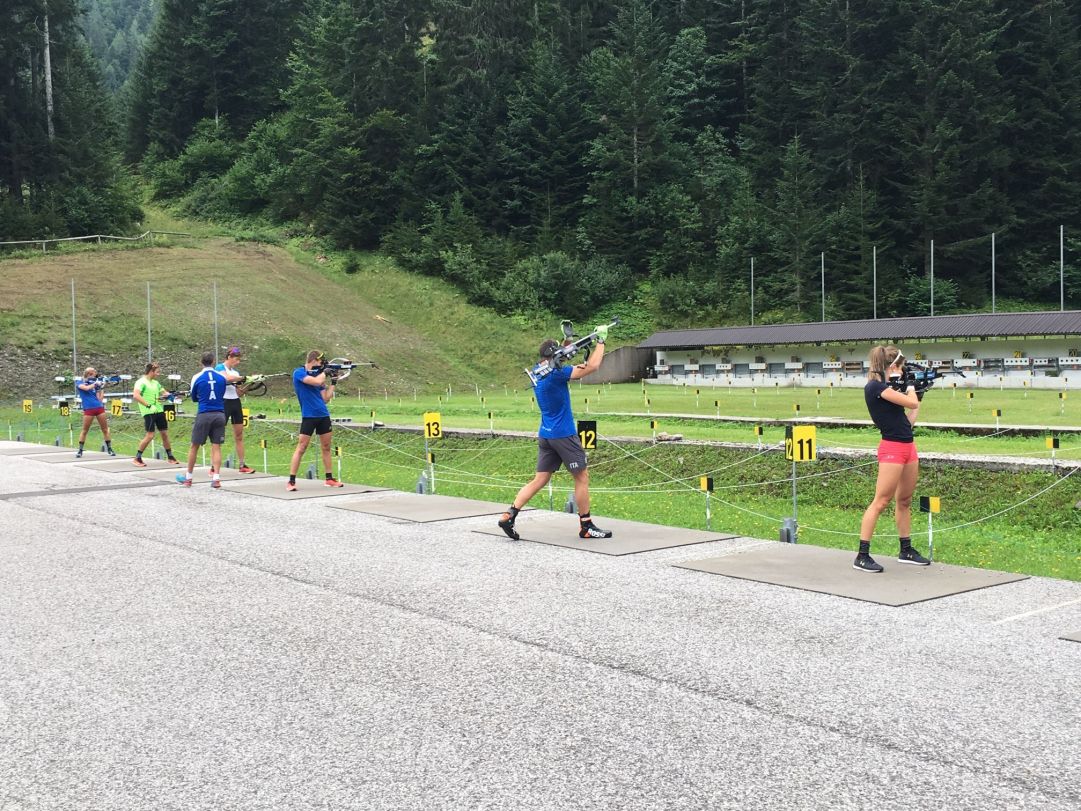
{"x": 894, "y": 413}
{"x": 93, "y": 408}
{"x": 558, "y": 442}
{"x": 208, "y": 393}
{"x": 148, "y": 395}
{"x": 234, "y": 409}
{"x": 314, "y": 389}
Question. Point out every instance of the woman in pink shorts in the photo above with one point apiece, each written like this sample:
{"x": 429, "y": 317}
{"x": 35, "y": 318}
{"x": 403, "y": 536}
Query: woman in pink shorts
{"x": 894, "y": 413}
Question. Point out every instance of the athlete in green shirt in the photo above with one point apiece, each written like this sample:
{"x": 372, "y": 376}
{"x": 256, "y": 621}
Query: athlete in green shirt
{"x": 149, "y": 394}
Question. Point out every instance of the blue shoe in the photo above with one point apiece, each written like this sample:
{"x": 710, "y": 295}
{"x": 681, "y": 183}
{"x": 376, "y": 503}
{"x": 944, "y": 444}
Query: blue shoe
{"x": 182, "y": 479}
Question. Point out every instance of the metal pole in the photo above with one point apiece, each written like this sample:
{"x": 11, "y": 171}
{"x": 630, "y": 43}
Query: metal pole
{"x": 874, "y": 281}
{"x": 74, "y": 347}
{"x": 932, "y": 277}
{"x": 149, "y": 351}
{"x": 823, "y": 286}
{"x": 215, "y": 321}
{"x": 1061, "y": 268}
{"x": 795, "y": 515}
{"x": 992, "y": 271}
{"x": 752, "y": 291}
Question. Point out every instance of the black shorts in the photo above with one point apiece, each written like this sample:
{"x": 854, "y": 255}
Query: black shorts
{"x": 155, "y": 422}
{"x": 234, "y": 411}
{"x": 208, "y": 425}
{"x": 567, "y": 450}
{"x": 315, "y": 425}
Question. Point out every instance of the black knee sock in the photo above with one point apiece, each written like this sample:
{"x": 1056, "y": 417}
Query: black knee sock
{"x": 81, "y": 445}
{"x": 293, "y": 479}
{"x": 513, "y": 512}
{"x": 865, "y": 547}
{"x": 906, "y": 543}
{"x": 585, "y": 518}
{"x": 329, "y": 476}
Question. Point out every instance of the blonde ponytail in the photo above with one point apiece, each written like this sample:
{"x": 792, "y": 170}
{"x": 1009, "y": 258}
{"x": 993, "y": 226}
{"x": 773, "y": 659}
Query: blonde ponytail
{"x": 881, "y": 359}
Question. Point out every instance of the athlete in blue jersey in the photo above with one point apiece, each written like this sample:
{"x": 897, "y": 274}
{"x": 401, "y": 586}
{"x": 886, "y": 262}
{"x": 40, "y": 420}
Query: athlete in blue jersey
{"x": 208, "y": 393}
{"x": 558, "y": 442}
{"x": 89, "y": 391}
{"x": 314, "y": 389}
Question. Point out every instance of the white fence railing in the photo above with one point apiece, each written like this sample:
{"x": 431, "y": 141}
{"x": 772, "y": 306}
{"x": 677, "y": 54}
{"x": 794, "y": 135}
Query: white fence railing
{"x": 98, "y": 237}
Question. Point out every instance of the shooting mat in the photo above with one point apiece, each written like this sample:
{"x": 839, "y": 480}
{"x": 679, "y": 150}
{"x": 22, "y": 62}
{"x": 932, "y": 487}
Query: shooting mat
{"x": 307, "y": 488}
{"x": 199, "y": 475}
{"x": 1072, "y": 637}
{"x": 69, "y": 457}
{"x": 829, "y": 571}
{"x": 129, "y": 466}
{"x": 630, "y": 537}
{"x": 422, "y": 509}
{"x": 30, "y": 449}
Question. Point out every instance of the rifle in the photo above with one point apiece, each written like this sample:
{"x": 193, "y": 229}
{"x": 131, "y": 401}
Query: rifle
{"x": 565, "y": 352}
{"x": 338, "y": 369}
{"x": 255, "y": 385}
{"x": 920, "y": 377}
{"x": 101, "y": 382}
{"x": 179, "y": 389}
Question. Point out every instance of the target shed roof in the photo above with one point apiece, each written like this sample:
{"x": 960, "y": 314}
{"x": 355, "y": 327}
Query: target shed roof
{"x": 982, "y": 325}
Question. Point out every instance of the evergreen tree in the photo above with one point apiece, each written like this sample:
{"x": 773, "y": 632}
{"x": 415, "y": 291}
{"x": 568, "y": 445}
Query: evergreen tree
{"x": 628, "y": 158}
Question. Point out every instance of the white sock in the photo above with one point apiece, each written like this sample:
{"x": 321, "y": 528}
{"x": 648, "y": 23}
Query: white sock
{"x": 215, "y": 476}
{"x": 187, "y": 474}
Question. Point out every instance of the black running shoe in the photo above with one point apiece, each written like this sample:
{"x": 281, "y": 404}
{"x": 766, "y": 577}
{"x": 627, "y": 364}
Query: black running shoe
{"x": 506, "y": 523}
{"x": 910, "y": 555}
{"x": 79, "y": 453}
{"x": 591, "y": 530}
{"x": 110, "y": 451}
{"x": 866, "y": 563}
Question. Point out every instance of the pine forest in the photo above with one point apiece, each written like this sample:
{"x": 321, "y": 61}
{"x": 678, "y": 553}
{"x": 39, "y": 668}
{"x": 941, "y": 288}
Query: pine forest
{"x": 562, "y": 155}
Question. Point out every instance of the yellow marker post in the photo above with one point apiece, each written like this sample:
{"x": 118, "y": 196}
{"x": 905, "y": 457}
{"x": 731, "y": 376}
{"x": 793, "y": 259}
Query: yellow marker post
{"x": 1052, "y": 445}
{"x": 930, "y": 505}
{"x": 433, "y": 429}
{"x": 491, "y": 422}
{"x": 262, "y": 444}
{"x": 818, "y": 399}
{"x": 758, "y": 435}
{"x": 373, "y": 419}
{"x": 338, "y": 454}
{"x": 997, "y": 414}
{"x": 706, "y": 484}
{"x": 717, "y": 405}
{"x": 970, "y": 396}
{"x": 795, "y": 409}
{"x": 800, "y": 445}
{"x": 1061, "y": 403}
{"x": 653, "y": 428}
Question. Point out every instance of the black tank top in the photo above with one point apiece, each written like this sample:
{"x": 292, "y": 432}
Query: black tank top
{"x": 888, "y": 417}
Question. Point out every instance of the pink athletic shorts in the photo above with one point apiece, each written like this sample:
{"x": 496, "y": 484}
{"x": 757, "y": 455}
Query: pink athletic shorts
{"x": 897, "y": 453}
{"x": 93, "y": 412}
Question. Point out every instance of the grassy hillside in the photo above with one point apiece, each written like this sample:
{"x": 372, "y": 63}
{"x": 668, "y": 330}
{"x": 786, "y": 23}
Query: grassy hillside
{"x": 276, "y": 301}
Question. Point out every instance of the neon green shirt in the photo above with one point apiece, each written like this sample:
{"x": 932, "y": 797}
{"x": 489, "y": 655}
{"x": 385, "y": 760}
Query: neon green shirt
{"x": 149, "y": 390}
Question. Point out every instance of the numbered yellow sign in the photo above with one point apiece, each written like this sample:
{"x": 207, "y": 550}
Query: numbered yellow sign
{"x": 262, "y": 444}
{"x": 1052, "y": 443}
{"x": 800, "y": 443}
{"x": 433, "y": 425}
{"x": 65, "y": 408}
{"x": 706, "y": 483}
{"x": 587, "y": 432}
{"x": 247, "y": 416}
{"x": 930, "y": 504}
{"x": 28, "y": 406}
{"x": 116, "y": 408}
{"x": 170, "y": 411}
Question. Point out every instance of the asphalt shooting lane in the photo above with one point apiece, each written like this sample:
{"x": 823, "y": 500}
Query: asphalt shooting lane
{"x": 195, "y": 649}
